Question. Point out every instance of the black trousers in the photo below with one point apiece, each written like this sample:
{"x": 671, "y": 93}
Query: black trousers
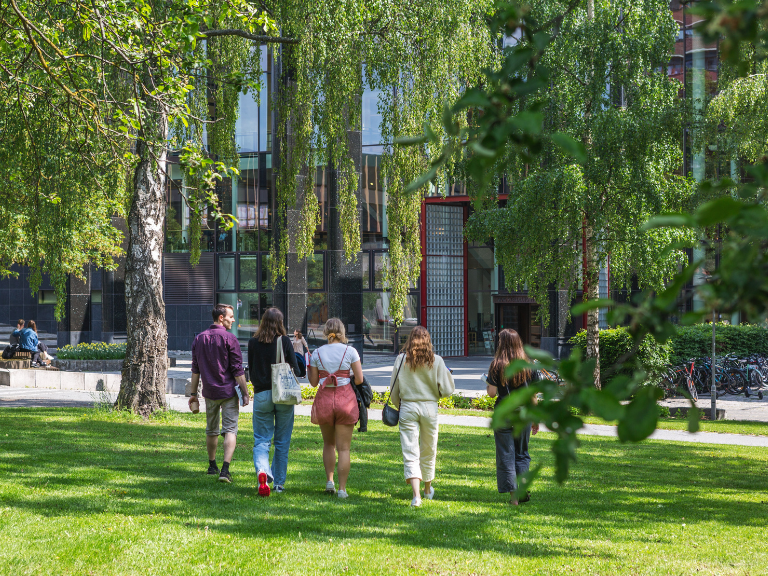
{"x": 512, "y": 458}
{"x": 35, "y": 354}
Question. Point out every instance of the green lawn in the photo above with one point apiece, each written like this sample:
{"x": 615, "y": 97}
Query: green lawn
{"x": 89, "y": 492}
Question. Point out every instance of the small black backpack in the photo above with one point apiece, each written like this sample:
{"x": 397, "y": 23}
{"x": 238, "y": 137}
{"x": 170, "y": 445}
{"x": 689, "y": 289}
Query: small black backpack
{"x": 10, "y": 351}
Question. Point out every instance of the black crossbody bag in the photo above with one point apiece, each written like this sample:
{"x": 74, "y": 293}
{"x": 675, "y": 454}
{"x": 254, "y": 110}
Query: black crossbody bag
{"x": 391, "y": 416}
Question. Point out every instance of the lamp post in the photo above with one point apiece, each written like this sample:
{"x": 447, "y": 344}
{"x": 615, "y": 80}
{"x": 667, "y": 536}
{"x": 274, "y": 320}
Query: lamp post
{"x": 713, "y": 391}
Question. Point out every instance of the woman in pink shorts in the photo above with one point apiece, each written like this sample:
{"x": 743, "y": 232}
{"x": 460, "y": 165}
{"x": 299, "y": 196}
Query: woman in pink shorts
{"x": 335, "y": 407}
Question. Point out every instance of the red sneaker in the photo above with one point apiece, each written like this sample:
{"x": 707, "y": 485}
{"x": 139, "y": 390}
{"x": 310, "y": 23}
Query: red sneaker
{"x": 263, "y": 486}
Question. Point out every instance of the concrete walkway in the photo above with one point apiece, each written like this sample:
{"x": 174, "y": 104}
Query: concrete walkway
{"x": 46, "y": 398}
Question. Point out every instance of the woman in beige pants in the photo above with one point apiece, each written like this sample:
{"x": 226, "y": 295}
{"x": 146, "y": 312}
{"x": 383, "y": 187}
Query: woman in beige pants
{"x": 420, "y": 378}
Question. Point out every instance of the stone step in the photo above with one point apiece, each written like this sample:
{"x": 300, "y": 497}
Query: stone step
{"x": 91, "y": 381}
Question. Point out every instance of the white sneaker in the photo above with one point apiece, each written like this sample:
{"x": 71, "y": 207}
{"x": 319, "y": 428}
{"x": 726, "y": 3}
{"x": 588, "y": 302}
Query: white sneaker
{"x": 342, "y": 494}
{"x": 330, "y": 488}
{"x": 416, "y": 502}
{"x": 431, "y": 494}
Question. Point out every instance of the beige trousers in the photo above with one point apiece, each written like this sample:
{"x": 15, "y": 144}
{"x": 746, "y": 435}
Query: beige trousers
{"x": 418, "y": 439}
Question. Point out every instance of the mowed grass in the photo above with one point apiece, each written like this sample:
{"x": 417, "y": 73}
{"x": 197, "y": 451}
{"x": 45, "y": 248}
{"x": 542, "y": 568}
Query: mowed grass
{"x": 89, "y": 492}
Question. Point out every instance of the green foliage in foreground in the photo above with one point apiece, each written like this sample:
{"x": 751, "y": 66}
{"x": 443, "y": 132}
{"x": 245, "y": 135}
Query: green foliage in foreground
{"x": 95, "y": 351}
{"x": 88, "y": 492}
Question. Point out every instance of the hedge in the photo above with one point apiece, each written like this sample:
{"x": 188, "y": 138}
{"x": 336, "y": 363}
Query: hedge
{"x": 696, "y": 341}
{"x": 689, "y": 342}
{"x": 615, "y": 342}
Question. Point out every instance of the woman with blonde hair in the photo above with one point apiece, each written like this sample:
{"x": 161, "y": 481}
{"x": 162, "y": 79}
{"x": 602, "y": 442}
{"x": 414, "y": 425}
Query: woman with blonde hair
{"x": 512, "y": 458}
{"x": 416, "y": 390}
{"x": 333, "y": 366}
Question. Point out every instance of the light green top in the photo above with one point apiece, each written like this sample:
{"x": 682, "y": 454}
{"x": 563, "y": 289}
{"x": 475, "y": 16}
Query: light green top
{"x": 423, "y": 384}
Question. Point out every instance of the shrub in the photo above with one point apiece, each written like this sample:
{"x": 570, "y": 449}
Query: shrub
{"x": 308, "y": 392}
{"x": 95, "y": 351}
{"x": 615, "y": 342}
{"x": 696, "y": 341}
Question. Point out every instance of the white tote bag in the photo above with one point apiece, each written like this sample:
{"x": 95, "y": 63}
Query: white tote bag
{"x": 285, "y": 388}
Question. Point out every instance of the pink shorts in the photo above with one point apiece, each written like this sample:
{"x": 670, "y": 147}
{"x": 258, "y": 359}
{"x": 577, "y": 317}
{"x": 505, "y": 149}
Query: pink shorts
{"x": 335, "y": 406}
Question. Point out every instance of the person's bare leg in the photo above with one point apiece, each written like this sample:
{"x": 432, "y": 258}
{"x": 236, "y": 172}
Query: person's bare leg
{"x": 230, "y": 442}
{"x": 211, "y": 443}
{"x": 512, "y": 499}
{"x": 343, "y": 444}
{"x": 329, "y": 450}
{"x": 427, "y": 487}
{"x": 415, "y": 482}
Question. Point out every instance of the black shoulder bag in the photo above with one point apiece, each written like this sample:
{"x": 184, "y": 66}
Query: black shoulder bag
{"x": 391, "y": 416}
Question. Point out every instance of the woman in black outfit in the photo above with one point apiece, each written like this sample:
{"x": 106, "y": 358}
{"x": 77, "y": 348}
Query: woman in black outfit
{"x": 270, "y": 420}
{"x": 512, "y": 458}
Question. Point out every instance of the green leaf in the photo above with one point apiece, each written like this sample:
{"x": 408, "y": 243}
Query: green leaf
{"x": 694, "y": 415}
{"x": 640, "y": 416}
{"x": 602, "y": 403}
{"x": 719, "y": 210}
{"x": 504, "y": 411}
{"x": 571, "y": 146}
{"x": 422, "y": 180}
{"x": 474, "y": 97}
{"x": 528, "y": 122}
{"x": 583, "y": 307}
{"x": 482, "y": 150}
{"x": 410, "y": 140}
{"x": 670, "y": 221}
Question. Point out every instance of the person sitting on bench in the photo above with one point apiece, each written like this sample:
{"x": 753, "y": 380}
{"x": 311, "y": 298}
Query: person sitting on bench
{"x": 28, "y": 342}
{"x": 19, "y": 326}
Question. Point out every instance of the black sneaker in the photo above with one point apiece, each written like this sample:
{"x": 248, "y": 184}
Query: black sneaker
{"x": 225, "y": 476}
{"x": 213, "y": 470}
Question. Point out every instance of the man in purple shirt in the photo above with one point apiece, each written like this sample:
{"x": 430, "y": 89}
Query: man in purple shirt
{"x": 216, "y": 357}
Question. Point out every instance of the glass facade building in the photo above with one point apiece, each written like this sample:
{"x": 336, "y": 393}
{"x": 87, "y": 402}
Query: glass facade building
{"x": 460, "y": 295}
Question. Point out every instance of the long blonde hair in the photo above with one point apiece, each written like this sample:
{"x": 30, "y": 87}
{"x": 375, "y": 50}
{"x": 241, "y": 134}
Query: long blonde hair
{"x": 334, "y": 328}
{"x": 510, "y": 348}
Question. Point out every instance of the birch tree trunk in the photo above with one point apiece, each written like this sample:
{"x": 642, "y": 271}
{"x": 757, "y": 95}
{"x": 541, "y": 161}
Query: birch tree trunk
{"x": 592, "y": 280}
{"x": 145, "y": 369}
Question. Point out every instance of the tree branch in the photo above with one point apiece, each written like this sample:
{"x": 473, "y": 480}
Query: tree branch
{"x": 249, "y": 36}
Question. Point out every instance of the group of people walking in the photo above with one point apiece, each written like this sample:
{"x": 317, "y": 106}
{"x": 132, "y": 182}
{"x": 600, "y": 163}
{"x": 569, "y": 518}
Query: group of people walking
{"x": 419, "y": 379}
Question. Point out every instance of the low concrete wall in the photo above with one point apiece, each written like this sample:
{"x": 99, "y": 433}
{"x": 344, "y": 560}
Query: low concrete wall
{"x": 95, "y": 365}
{"x": 93, "y": 381}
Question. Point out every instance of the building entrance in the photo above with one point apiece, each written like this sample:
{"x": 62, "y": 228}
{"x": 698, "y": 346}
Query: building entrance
{"x": 522, "y": 319}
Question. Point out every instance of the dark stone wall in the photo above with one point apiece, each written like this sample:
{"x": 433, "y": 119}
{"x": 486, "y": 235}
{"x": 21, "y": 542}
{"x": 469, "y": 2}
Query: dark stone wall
{"x": 16, "y": 301}
{"x": 184, "y": 323}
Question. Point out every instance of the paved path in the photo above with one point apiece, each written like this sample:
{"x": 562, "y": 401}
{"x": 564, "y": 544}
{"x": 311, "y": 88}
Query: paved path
{"x": 467, "y": 373}
{"x": 45, "y": 398}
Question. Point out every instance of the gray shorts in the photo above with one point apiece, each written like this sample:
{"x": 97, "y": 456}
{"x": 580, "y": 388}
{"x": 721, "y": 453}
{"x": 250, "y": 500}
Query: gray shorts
{"x": 230, "y": 411}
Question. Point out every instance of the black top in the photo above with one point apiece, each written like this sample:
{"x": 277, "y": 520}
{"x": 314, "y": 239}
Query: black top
{"x": 260, "y": 359}
{"x": 503, "y": 391}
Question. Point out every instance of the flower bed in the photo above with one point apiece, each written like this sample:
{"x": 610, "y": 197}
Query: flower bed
{"x": 95, "y": 351}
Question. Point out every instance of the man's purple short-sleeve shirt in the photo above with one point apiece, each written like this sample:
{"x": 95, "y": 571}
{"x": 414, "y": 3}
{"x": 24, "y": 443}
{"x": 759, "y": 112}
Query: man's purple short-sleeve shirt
{"x": 217, "y": 358}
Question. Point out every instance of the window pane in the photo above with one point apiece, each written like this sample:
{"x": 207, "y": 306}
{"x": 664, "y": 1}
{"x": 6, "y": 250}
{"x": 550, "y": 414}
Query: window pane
{"x": 249, "y": 272}
{"x": 366, "y": 270}
{"x": 226, "y": 272}
{"x": 480, "y": 333}
{"x": 379, "y": 264}
{"x": 378, "y": 331}
{"x": 266, "y": 283}
{"x": 315, "y": 271}
{"x": 247, "y": 206}
{"x": 480, "y": 266}
{"x": 317, "y": 314}
{"x": 246, "y": 315}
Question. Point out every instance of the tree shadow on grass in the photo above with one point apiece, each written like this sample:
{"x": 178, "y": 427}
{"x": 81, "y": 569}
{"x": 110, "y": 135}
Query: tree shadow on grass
{"x": 70, "y": 463}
